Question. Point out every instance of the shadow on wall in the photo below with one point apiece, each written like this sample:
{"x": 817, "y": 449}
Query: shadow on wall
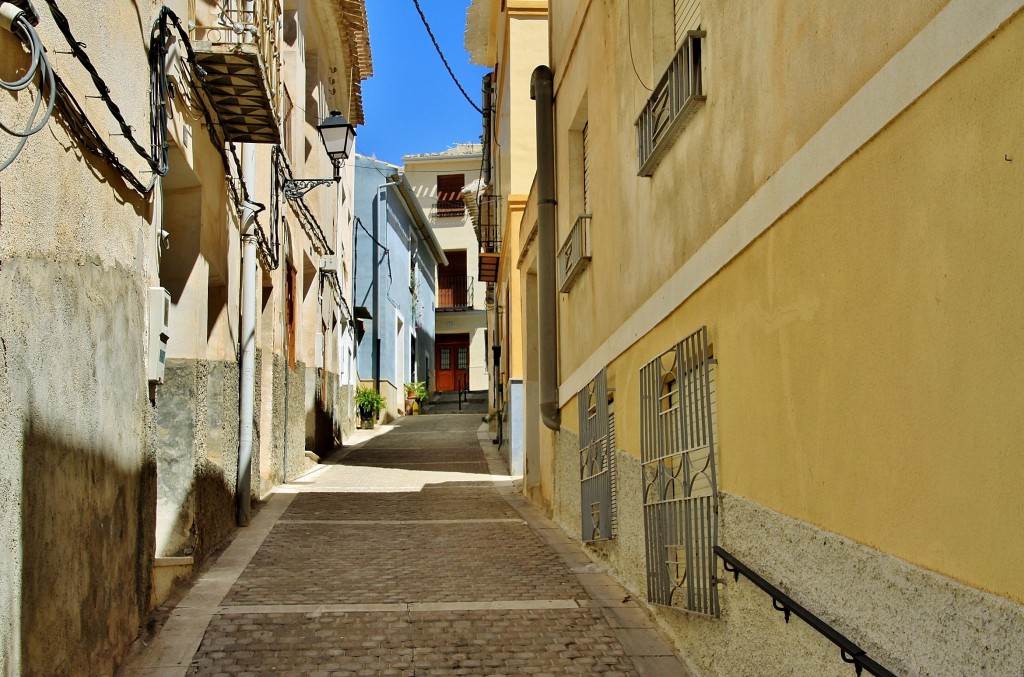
{"x": 87, "y": 532}
{"x": 197, "y": 456}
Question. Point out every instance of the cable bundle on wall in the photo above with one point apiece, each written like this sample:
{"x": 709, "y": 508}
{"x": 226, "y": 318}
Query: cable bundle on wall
{"x": 15, "y": 20}
{"x": 74, "y": 115}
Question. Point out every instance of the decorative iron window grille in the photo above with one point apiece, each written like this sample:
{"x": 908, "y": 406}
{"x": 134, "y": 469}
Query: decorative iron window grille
{"x": 454, "y": 291}
{"x": 449, "y": 208}
{"x": 677, "y": 441}
{"x": 597, "y": 461}
{"x": 677, "y": 96}
{"x": 574, "y": 254}
{"x": 612, "y": 450}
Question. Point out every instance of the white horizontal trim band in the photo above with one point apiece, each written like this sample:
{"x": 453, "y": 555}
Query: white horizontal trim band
{"x": 954, "y": 33}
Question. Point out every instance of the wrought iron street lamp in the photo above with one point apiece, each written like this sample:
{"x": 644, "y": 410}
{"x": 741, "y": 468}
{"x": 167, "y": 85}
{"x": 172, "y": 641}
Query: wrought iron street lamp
{"x": 337, "y": 135}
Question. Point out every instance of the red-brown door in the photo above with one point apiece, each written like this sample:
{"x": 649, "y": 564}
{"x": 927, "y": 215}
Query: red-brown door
{"x": 452, "y": 360}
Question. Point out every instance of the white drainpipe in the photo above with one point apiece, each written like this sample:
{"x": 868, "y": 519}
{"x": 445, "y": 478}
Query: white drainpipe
{"x": 247, "y": 386}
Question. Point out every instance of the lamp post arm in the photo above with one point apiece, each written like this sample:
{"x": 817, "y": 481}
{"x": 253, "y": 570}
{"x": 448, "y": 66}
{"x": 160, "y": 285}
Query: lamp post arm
{"x": 296, "y": 188}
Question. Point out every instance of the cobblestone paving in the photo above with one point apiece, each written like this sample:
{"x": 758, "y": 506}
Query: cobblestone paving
{"x": 416, "y": 644}
{"x": 425, "y": 464}
{"x": 429, "y": 504}
{"x": 433, "y": 571}
{"x": 328, "y": 563}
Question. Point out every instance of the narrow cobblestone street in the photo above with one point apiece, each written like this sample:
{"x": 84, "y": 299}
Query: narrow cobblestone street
{"x": 412, "y": 555}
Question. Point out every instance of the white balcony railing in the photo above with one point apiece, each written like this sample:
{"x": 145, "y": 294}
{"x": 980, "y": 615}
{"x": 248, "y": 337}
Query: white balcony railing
{"x": 574, "y": 255}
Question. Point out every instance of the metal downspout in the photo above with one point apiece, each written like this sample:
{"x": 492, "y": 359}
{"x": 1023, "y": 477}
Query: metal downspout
{"x": 247, "y": 386}
{"x": 542, "y": 91}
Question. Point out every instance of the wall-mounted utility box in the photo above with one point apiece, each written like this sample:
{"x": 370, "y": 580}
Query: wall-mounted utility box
{"x": 329, "y": 262}
{"x": 159, "y": 319}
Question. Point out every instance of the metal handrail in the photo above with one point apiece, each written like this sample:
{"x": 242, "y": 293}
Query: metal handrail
{"x": 848, "y": 651}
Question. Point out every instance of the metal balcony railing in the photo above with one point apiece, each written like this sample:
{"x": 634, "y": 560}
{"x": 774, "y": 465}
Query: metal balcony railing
{"x": 574, "y": 255}
{"x": 454, "y": 292}
{"x": 676, "y": 97}
{"x": 488, "y": 229}
{"x": 447, "y": 208}
{"x": 489, "y": 236}
{"x": 237, "y": 46}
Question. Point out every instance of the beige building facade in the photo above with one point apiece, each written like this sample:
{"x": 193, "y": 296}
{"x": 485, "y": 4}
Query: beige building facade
{"x": 460, "y": 322}
{"x": 512, "y": 39}
{"x": 775, "y": 255}
{"x": 158, "y": 264}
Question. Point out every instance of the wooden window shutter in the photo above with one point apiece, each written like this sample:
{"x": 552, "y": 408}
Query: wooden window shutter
{"x": 687, "y": 18}
{"x": 449, "y": 187}
{"x": 586, "y": 170}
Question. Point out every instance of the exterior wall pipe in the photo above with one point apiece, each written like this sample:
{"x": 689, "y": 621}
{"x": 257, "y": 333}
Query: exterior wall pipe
{"x": 487, "y": 87}
{"x": 542, "y": 91}
{"x": 247, "y": 385}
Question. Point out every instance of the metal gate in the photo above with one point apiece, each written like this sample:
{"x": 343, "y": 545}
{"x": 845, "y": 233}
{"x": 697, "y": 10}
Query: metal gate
{"x": 596, "y": 461}
{"x": 680, "y": 486}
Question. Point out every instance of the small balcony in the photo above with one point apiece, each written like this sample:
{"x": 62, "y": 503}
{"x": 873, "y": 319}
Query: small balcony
{"x": 237, "y": 50}
{"x": 455, "y": 292}
{"x": 449, "y": 208}
{"x": 677, "y": 96}
{"x": 488, "y": 234}
{"x": 574, "y": 256}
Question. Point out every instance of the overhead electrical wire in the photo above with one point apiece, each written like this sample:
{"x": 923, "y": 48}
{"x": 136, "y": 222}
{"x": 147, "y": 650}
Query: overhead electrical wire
{"x": 91, "y": 139}
{"x": 78, "y": 50}
{"x": 458, "y": 84}
{"x": 629, "y": 38}
{"x": 167, "y": 27}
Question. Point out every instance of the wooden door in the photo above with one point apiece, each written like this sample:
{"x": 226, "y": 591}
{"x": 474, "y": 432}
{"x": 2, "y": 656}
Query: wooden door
{"x": 452, "y": 360}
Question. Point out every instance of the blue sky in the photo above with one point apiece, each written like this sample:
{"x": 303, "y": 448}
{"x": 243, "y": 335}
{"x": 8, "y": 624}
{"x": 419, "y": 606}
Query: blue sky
{"x": 410, "y": 104}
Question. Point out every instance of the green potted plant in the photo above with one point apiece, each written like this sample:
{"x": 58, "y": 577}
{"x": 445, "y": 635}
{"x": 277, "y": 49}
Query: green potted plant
{"x": 370, "y": 404}
{"x": 415, "y": 394}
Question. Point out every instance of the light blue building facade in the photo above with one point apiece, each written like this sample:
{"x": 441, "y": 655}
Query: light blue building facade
{"x": 396, "y": 259}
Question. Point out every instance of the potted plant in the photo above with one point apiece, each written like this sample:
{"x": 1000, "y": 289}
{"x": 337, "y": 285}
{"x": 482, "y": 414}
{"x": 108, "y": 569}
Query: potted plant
{"x": 370, "y": 404}
{"x": 415, "y": 394}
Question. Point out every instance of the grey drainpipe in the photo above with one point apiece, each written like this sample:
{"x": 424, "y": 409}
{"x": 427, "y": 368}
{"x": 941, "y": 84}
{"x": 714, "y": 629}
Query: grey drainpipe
{"x": 542, "y": 91}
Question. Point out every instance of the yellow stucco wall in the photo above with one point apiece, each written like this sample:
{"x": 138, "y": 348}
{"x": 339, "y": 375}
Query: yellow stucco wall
{"x": 869, "y": 344}
{"x": 774, "y": 74}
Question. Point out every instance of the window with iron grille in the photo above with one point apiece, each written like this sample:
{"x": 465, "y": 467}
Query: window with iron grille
{"x": 679, "y": 94}
{"x": 449, "y": 195}
{"x": 680, "y": 486}
{"x": 574, "y": 254}
{"x": 597, "y": 461}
